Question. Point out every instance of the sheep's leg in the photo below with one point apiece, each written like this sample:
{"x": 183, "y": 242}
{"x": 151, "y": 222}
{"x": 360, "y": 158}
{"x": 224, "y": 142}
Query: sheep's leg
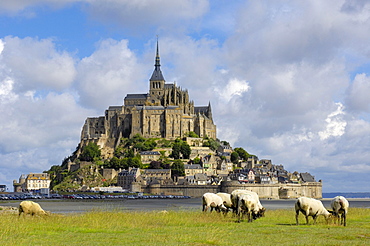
{"x": 249, "y": 216}
{"x": 314, "y": 219}
{"x": 296, "y": 216}
{"x": 344, "y": 219}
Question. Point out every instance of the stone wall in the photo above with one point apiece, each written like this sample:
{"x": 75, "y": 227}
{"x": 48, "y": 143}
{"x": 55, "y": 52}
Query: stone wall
{"x": 265, "y": 191}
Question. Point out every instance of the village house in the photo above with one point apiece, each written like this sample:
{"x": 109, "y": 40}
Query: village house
{"x": 148, "y": 156}
{"x": 33, "y": 182}
{"x": 192, "y": 169}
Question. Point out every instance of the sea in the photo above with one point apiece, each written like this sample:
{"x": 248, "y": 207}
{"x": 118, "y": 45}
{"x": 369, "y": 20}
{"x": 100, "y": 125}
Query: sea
{"x": 346, "y": 194}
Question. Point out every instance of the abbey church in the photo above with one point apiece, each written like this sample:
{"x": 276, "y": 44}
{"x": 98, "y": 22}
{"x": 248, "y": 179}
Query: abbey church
{"x": 165, "y": 112}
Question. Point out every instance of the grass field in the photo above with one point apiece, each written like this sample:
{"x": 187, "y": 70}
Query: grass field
{"x": 181, "y": 228}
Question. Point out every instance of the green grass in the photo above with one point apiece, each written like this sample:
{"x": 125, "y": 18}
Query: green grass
{"x": 180, "y": 228}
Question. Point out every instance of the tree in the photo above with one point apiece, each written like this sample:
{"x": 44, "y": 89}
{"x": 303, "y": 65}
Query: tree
{"x": 90, "y": 152}
{"x": 192, "y": 135}
{"x": 180, "y": 147}
{"x": 114, "y": 163}
{"x": 211, "y": 143}
{"x": 242, "y": 153}
{"x": 177, "y": 168}
{"x": 234, "y": 157}
{"x": 196, "y": 160}
{"x": 185, "y": 150}
{"x": 155, "y": 165}
{"x": 176, "y": 150}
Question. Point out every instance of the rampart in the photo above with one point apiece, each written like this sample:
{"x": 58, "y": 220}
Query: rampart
{"x": 265, "y": 191}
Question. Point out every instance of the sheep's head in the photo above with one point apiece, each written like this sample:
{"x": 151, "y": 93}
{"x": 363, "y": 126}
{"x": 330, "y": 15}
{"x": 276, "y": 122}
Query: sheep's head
{"x": 261, "y": 212}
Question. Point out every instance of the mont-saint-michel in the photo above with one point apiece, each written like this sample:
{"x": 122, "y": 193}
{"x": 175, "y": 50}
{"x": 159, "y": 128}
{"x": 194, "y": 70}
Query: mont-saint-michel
{"x": 159, "y": 142}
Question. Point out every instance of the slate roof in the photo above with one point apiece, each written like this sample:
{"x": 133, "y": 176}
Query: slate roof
{"x": 149, "y": 153}
{"x": 307, "y": 177}
{"x": 157, "y": 73}
{"x": 192, "y": 166}
{"x": 136, "y": 96}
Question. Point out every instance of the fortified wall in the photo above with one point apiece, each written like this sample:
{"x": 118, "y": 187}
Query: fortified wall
{"x": 265, "y": 191}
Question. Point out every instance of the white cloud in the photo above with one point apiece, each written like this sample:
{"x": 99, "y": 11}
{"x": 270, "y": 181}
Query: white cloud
{"x": 336, "y": 125}
{"x": 36, "y": 64}
{"x": 105, "y": 77}
{"x": 234, "y": 87}
{"x": 6, "y": 92}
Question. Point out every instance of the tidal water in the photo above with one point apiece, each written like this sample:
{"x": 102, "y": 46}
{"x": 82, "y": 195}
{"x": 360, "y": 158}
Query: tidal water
{"x": 65, "y": 206}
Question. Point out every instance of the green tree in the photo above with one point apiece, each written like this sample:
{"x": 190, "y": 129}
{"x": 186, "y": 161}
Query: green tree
{"x": 114, "y": 163}
{"x": 177, "y": 168}
{"x": 211, "y": 143}
{"x": 90, "y": 152}
{"x": 155, "y": 165}
{"x": 134, "y": 162}
{"x": 180, "y": 147}
{"x": 176, "y": 150}
{"x": 243, "y": 154}
{"x": 185, "y": 150}
{"x": 192, "y": 135}
{"x": 234, "y": 157}
{"x": 196, "y": 160}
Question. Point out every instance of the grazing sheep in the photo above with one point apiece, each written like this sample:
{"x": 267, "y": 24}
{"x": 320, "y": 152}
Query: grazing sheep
{"x": 235, "y": 196}
{"x": 310, "y": 207}
{"x": 340, "y": 205}
{"x": 226, "y": 198}
{"x": 247, "y": 203}
{"x": 213, "y": 201}
{"x": 30, "y": 207}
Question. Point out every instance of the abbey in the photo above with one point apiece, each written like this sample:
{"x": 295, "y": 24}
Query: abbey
{"x": 165, "y": 112}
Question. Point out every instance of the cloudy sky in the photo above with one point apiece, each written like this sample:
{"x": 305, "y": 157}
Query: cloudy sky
{"x": 287, "y": 80}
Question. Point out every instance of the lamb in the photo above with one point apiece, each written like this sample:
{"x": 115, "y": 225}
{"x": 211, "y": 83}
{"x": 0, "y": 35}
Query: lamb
{"x": 247, "y": 203}
{"x": 340, "y": 205}
{"x": 235, "y": 196}
{"x": 213, "y": 201}
{"x": 30, "y": 207}
{"x": 311, "y": 207}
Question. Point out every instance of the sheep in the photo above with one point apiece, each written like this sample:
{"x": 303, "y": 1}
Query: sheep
{"x": 311, "y": 207}
{"x": 226, "y": 198}
{"x": 213, "y": 201}
{"x": 247, "y": 203}
{"x": 32, "y": 208}
{"x": 235, "y": 196}
{"x": 340, "y": 205}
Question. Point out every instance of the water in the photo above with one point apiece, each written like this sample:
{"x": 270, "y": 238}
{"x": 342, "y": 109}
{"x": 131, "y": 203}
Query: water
{"x": 347, "y": 194}
{"x": 65, "y": 206}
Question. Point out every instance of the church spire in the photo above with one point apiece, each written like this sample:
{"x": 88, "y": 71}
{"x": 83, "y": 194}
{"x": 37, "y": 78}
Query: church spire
{"x": 157, "y": 73}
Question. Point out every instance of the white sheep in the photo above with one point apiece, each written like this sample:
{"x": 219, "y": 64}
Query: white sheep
{"x": 213, "y": 201}
{"x": 226, "y": 198}
{"x": 340, "y": 205}
{"x": 30, "y": 207}
{"x": 235, "y": 196}
{"x": 311, "y": 207}
{"x": 247, "y": 203}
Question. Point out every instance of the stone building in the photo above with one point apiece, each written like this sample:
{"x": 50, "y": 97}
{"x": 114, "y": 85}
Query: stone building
{"x": 126, "y": 177}
{"x": 166, "y": 111}
{"x": 33, "y": 182}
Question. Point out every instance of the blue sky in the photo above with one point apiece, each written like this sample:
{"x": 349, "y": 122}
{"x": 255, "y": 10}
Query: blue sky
{"x": 287, "y": 80}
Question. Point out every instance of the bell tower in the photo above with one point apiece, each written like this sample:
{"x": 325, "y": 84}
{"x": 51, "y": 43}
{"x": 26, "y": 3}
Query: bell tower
{"x": 156, "y": 90}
